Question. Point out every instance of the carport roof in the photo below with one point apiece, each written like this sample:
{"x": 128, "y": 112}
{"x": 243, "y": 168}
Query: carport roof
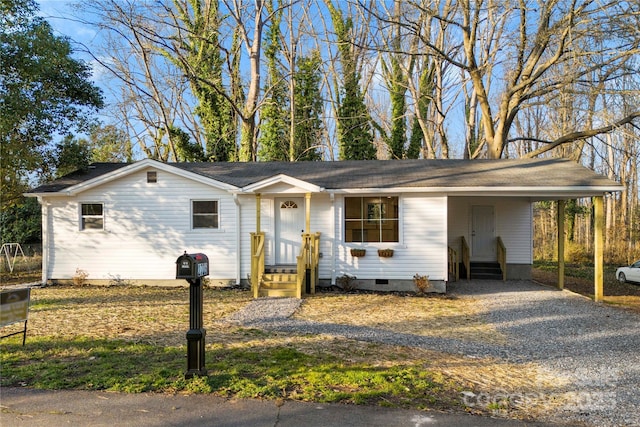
{"x": 550, "y": 176}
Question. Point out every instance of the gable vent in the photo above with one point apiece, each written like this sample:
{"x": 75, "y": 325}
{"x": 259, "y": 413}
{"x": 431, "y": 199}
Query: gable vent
{"x": 152, "y": 177}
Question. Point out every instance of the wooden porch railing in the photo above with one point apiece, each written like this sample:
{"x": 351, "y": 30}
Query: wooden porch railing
{"x": 454, "y": 267}
{"x": 308, "y": 259}
{"x": 257, "y": 262}
{"x": 502, "y": 257}
{"x": 465, "y": 253}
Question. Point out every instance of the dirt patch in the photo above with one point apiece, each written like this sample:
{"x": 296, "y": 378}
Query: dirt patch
{"x": 625, "y": 295}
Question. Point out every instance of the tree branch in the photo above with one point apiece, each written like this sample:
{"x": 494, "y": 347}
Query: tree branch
{"x": 574, "y": 136}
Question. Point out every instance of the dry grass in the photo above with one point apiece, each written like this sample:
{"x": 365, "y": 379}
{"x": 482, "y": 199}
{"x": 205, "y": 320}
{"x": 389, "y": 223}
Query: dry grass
{"x": 433, "y": 316}
{"x": 145, "y": 314}
{"x": 160, "y": 316}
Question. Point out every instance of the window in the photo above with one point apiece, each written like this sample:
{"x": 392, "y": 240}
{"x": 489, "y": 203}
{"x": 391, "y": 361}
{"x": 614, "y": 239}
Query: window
{"x": 204, "y": 213}
{"x": 289, "y": 204}
{"x": 91, "y": 216}
{"x": 371, "y": 219}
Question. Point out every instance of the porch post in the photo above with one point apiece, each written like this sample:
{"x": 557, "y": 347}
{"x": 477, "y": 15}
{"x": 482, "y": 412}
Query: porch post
{"x": 258, "y": 202}
{"x": 307, "y": 218}
{"x": 598, "y": 248}
{"x": 560, "y": 226}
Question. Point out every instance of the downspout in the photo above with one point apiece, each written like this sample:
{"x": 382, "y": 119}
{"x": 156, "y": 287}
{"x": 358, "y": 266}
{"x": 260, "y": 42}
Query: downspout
{"x": 332, "y": 197}
{"x": 45, "y": 239}
{"x": 238, "y": 240}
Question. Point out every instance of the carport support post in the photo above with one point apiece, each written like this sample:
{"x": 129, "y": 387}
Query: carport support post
{"x": 598, "y": 248}
{"x": 560, "y": 221}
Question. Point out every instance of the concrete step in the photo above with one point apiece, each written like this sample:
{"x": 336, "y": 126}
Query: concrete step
{"x": 486, "y": 271}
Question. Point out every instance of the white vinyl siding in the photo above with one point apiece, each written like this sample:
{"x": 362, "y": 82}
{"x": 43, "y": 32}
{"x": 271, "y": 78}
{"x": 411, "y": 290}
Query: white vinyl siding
{"x": 422, "y": 246}
{"x": 147, "y": 227}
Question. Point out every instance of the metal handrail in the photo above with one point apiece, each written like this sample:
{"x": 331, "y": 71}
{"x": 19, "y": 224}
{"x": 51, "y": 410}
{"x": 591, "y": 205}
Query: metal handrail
{"x": 465, "y": 253}
{"x": 502, "y": 257}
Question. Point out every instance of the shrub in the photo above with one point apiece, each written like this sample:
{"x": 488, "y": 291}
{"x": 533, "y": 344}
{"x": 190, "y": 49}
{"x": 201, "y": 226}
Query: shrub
{"x": 422, "y": 283}
{"x": 80, "y": 277}
{"x": 347, "y": 282}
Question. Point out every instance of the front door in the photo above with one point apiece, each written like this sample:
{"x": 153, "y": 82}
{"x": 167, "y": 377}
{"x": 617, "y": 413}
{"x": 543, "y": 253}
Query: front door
{"x": 289, "y": 228}
{"x": 483, "y": 246}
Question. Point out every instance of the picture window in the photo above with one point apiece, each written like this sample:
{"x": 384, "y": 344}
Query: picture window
{"x": 371, "y": 219}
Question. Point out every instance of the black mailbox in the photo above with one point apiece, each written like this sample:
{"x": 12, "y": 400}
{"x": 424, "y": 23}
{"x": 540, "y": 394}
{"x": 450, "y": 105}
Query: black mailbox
{"x": 192, "y": 266}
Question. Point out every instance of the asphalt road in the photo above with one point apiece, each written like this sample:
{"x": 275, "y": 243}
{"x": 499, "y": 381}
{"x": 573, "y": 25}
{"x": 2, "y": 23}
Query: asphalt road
{"x": 29, "y": 407}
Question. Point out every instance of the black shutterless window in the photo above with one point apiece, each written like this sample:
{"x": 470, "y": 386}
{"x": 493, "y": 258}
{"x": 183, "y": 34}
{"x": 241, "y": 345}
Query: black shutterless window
{"x": 204, "y": 214}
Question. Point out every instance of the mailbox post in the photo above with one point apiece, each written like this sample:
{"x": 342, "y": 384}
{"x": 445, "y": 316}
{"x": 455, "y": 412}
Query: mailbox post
{"x": 193, "y": 267}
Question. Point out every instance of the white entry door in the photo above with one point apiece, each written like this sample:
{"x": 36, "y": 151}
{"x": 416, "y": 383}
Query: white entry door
{"x": 483, "y": 246}
{"x": 289, "y": 228}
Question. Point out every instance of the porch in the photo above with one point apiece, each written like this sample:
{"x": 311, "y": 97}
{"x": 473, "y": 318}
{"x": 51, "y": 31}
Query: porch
{"x": 293, "y": 269}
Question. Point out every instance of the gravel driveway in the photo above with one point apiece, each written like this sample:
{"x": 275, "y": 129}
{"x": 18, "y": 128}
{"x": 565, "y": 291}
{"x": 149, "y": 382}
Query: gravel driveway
{"x": 594, "y": 349}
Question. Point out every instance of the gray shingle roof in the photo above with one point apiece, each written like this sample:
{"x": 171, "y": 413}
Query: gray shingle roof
{"x": 383, "y": 174}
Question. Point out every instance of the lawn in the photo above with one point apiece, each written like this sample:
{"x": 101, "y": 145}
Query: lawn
{"x": 132, "y": 339}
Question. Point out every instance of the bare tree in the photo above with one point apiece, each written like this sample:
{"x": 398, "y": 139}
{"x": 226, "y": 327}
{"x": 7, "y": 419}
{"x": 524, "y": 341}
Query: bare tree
{"x": 511, "y": 52}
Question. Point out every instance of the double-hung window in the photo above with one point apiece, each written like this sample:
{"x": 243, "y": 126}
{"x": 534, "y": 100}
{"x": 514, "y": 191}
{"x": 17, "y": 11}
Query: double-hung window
{"x": 91, "y": 216}
{"x": 204, "y": 214}
{"x": 371, "y": 219}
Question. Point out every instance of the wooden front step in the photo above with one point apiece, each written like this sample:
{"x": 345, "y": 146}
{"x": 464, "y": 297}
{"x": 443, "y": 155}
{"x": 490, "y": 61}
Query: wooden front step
{"x": 278, "y": 285}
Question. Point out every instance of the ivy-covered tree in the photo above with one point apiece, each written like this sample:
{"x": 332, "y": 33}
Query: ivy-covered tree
{"x": 308, "y": 108}
{"x": 43, "y": 92}
{"x": 353, "y": 122}
{"x": 425, "y": 90}
{"x": 186, "y": 150}
{"x": 202, "y": 62}
{"x": 274, "y": 123}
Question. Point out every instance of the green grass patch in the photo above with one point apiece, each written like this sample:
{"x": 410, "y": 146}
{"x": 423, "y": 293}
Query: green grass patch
{"x": 270, "y": 372}
{"x": 90, "y": 364}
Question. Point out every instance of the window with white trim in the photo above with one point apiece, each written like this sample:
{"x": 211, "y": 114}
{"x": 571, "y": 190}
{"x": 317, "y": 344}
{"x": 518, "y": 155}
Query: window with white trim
{"x": 91, "y": 216}
{"x": 204, "y": 214}
{"x": 371, "y": 219}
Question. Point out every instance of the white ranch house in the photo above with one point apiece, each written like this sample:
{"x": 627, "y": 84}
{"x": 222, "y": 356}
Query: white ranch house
{"x": 286, "y": 228}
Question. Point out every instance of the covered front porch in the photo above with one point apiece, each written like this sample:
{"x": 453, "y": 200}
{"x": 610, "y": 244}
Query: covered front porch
{"x": 290, "y": 269}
